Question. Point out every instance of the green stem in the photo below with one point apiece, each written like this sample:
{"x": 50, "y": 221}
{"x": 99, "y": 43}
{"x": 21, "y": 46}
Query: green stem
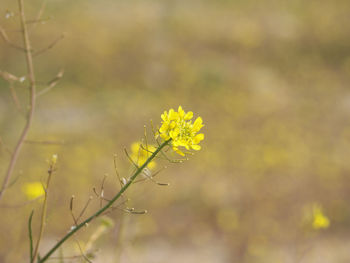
{"x": 30, "y": 235}
{"x": 103, "y": 209}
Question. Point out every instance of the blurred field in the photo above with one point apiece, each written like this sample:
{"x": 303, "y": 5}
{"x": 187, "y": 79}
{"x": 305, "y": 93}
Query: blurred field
{"x": 271, "y": 82}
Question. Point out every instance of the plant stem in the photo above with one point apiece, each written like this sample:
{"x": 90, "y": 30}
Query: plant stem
{"x": 30, "y": 234}
{"x": 103, "y": 209}
{"x": 32, "y": 87}
{"x": 43, "y": 214}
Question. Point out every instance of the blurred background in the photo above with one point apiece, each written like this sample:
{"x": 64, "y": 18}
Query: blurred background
{"x": 270, "y": 80}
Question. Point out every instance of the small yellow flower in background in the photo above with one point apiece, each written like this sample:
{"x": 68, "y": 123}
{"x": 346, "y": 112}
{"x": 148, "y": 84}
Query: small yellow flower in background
{"x": 319, "y": 219}
{"x": 54, "y": 159}
{"x": 33, "y": 190}
{"x": 178, "y": 127}
{"x": 139, "y": 154}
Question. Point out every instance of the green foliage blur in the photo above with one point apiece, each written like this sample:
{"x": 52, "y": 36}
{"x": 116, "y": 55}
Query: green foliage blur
{"x": 270, "y": 80}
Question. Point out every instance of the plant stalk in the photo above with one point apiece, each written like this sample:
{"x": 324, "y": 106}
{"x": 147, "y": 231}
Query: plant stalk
{"x": 103, "y": 209}
{"x": 43, "y": 214}
{"x": 32, "y": 87}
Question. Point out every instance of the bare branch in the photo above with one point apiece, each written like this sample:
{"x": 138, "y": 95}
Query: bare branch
{"x": 40, "y": 13}
{"x": 116, "y": 171}
{"x": 32, "y": 87}
{"x": 8, "y": 76}
{"x": 43, "y": 211}
{"x": 164, "y": 157}
{"x": 49, "y": 46}
{"x": 84, "y": 209}
{"x": 82, "y": 252}
{"x": 130, "y": 159}
{"x": 8, "y": 41}
{"x": 71, "y": 210}
{"x": 52, "y": 83}
{"x": 15, "y": 97}
{"x": 37, "y": 21}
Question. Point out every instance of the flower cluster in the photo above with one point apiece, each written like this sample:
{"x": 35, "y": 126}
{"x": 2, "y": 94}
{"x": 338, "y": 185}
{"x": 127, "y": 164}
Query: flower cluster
{"x": 178, "y": 127}
{"x": 140, "y": 154}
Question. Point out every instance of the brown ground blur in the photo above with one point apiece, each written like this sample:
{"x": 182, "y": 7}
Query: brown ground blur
{"x": 271, "y": 82}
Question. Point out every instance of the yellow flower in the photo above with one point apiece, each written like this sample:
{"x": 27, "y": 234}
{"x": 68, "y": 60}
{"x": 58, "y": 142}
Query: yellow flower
{"x": 33, "y": 190}
{"x": 139, "y": 154}
{"x": 178, "y": 127}
{"x": 319, "y": 219}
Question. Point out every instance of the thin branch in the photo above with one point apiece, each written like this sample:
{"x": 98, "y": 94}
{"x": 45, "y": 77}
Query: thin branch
{"x": 49, "y": 46}
{"x": 40, "y": 13}
{"x": 37, "y": 21}
{"x": 84, "y": 209}
{"x": 52, "y": 83}
{"x": 15, "y": 97}
{"x": 164, "y": 157}
{"x": 8, "y": 76}
{"x": 151, "y": 177}
{"x": 102, "y": 189}
{"x": 130, "y": 159}
{"x": 71, "y": 210}
{"x": 43, "y": 213}
{"x": 145, "y": 131}
{"x": 116, "y": 171}
{"x": 126, "y": 210}
{"x": 107, "y": 206}
{"x": 5, "y": 37}
{"x": 32, "y": 87}
{"x": 82, "y": 252}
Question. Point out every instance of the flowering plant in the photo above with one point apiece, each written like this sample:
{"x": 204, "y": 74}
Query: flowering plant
{"x": 177, "y": 130}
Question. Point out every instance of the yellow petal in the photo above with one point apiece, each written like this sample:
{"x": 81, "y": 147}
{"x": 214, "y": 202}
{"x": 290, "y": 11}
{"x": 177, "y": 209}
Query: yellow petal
{"x": 164, "y": 116}
{"x": 135, "y": 147}
{"x": 172, "y": 125}
{"x": 164, "y": 136}
{"x": 178, "y": 151}
{"x": 164, "y": 127}
{"x": 181, "y": 112}
{"x": 197, "y": 125}
{"x": 152, "y": 165}
{"x": 195, "y": 147}
{"x": 198, "y": 138}
{"x": 174, "y": 133}
{"x": 188, "y": 116}
{"x": 172, "y": 114}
